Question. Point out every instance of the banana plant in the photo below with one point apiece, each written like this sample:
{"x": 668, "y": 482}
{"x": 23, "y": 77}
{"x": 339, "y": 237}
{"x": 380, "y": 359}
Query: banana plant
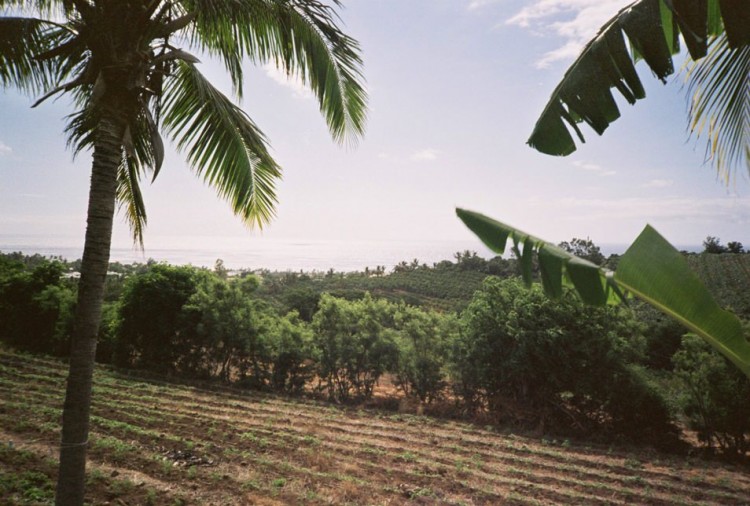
{"x": 649, "y": 30}
{"x": 651, "y": 270}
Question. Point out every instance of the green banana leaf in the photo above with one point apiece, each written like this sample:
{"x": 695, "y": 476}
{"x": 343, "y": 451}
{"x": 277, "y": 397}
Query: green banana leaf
{"x": 645, "y": 30}
{"x": 651, "y": 269}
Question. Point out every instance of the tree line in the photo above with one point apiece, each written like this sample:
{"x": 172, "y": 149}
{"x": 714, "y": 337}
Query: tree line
{"x": 511, "y": 356}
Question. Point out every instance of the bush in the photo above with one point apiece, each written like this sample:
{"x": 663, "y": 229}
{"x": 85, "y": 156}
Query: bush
{"x": 716, "y": 396}
{"x": 423, "y": 341}
{"x": 555, "y": 363}
{"x": 36, "y": 306}
{"x": 289, "y": 345}
{"x": 150, "y": 307}
{"x": 663, "y": 336}
{"x": 354, "y": 343}
{"x": 220, "y": 329}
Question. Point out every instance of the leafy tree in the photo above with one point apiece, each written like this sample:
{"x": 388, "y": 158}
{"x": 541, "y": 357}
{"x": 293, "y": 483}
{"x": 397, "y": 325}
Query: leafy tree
{"x": 651, "y": 269}
{"x": 304, "y": 300}
{"x": 36, "y": 306}
{"x": 716, "y": 35}
{"x": 122, "y": 63}
{"x": 663, "y": 336}
{"x": 148, "y": 333}
{"x": 584, "y": 248}
{"x": 354, "y": 343}
{"x": 735, "y": 247}
{"x": 558, "y": 363}
{"x": 713, "y": 245}
{"x": 716, "y": 401}
{"x": 220, "y": 331}
{"x": 107, "y": 339}
{"x": 290, "y": 353}
{"x": 424, "y": 339}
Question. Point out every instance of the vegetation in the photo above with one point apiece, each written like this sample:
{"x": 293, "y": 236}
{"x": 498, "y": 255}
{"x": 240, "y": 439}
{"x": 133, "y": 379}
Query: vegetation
{"x": 584, "y": 248}
{"x": 169, "y": 444}
{"x": 652, "y": 270}
{"x": 715, "y": 400}
{"x": 716, "y": 36}
{"x": 713, "y": 245}
{"x": 445, "y": 286}
{"x": 35, "y": 305}
{"x": 127, "y": 68}
{"x": 557, "y": 363}
{"x": 354, "y": 344}
{"x": 510, "y": 356}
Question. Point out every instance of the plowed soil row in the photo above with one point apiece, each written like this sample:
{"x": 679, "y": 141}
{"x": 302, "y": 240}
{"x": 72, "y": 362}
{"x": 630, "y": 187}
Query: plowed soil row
{"x": 161, "y": 443}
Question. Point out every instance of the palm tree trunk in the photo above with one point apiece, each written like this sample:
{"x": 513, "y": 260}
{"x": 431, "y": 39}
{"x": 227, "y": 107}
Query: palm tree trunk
{"x": 101, "y": 208}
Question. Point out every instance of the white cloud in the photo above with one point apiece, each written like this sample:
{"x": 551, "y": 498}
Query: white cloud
{"x": 594, "y": 168}
{"x": 5, "y": 149}
{"x": 425, "y": 155}
{"x": 576, "y": 21}
{"x": 299, "y": 90}
{"x": 478, "y": 4}
{"x": 658, "y": 183}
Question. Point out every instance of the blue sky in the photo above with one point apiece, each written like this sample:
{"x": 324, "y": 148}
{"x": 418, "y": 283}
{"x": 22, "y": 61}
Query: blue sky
{"x": 455, "y": 88}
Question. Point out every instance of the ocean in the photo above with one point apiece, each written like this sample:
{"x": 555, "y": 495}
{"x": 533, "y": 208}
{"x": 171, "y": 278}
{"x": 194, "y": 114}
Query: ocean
{"x": 268, "y": 253}
{"x": 261, "y": 253}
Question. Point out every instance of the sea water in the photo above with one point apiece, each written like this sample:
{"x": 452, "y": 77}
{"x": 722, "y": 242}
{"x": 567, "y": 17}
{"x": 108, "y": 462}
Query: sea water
{"x": 270, "y": 253}
{"x": 260, "y": 252}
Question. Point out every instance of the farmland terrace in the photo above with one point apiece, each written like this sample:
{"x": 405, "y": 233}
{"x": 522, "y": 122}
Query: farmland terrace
{"x": 159, "y": 443}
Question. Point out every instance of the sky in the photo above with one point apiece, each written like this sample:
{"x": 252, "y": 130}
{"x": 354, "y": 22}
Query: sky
{"x": 455, "y": 87}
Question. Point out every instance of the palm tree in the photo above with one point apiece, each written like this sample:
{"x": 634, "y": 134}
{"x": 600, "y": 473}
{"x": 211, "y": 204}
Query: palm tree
{"x": 128, "y": 67}
{"x": 716, "y": 33}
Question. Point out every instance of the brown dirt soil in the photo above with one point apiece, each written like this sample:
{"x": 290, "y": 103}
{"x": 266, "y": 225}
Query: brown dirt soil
{"x": 159, "y": 443}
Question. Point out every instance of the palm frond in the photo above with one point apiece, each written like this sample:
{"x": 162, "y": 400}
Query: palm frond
{"x": 44, "y": 7}
{"x": 720, "y": 107}
{"x": 302, "y": 38}
{"x": 130, "y": 198}
{"x": 652, "y": 28}
{"x": 20, "y": 40}
{"x": 223, "y": 145}
{"x": 328, "y": 60}
{"x": 143, "y": 153}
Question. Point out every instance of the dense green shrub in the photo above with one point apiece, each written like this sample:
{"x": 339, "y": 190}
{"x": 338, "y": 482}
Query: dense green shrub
{"x": 36, "y": 306}
{"x": 354, "y": 342}
{"x": 304, "y": 300}
{"x": 290, "y": 353}
{"x": 220, "y": 329}
{"x": 663, "y": 336}
{"x": 716, "y": 396}
{"x": 530, "y": 359}
{"x": 148, "y": 316}
{"x": 107, "y": 338}
{"x": 423, "y": 339}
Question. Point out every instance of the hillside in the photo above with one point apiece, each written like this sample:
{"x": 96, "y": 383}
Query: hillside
{"x": 446, "y": 289}
{"x": 158, "y": 443}
{"x": 727, "y": 276}
{"x": 450, "y": 286}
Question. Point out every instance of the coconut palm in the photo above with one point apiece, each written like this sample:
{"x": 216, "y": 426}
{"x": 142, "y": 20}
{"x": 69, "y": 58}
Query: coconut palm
{"x": 131, "y": 68}
{"x": 717, "y": 83}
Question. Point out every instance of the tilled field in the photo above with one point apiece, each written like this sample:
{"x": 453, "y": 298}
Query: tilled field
{"x": 156, "y": 443}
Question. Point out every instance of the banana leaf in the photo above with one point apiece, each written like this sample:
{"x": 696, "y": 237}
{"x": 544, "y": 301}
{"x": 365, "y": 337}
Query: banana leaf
{"x": 652, "y": 29}
{"x": 651, "y": 269}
